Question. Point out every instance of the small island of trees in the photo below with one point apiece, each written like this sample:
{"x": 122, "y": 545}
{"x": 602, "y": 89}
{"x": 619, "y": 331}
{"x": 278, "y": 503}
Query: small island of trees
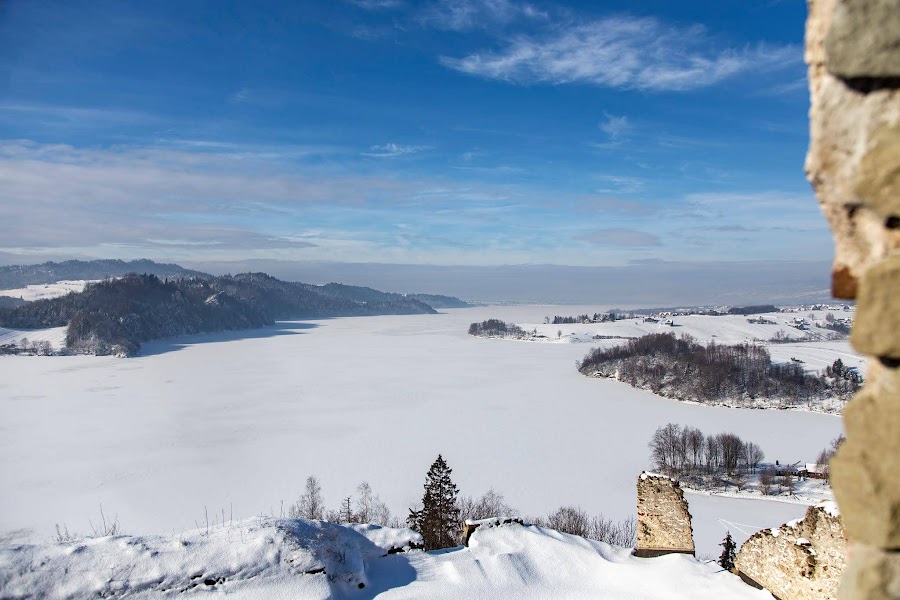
{"x": 739, "y": 374}
{"x": 496, "y": 328}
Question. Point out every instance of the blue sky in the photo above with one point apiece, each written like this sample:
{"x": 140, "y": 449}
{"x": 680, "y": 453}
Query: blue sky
{"x": 474, "y": 132}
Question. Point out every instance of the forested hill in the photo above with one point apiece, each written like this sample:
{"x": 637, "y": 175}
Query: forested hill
{"x": 115, "y": 316}
{"x": 367, "y": 294}
{"x": 17, "y": 276}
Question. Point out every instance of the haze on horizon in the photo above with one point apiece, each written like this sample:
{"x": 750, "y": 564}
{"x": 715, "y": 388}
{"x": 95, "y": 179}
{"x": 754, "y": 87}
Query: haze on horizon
{"x": 646, "y": 147}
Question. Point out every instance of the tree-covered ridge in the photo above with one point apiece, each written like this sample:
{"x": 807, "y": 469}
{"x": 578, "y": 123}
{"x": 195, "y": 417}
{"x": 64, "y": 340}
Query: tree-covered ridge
{"x": 17, "y": 276}
{"x": 116, "y": 316}
{"x": 679, "y": 367}
{"x": 439, "y": 300}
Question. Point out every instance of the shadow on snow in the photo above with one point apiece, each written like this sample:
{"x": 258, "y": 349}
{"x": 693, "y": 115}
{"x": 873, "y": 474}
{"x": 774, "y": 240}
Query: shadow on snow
{"x": 174, "y": 344}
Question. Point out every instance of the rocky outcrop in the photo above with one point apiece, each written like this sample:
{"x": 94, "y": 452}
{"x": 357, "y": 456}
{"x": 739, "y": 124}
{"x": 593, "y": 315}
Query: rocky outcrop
{"x": 664, "y": 522}
{"x": 801, "y": 560}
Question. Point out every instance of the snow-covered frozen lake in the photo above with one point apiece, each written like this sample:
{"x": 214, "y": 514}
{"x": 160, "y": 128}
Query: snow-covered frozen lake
{"x": 237, "y": 421}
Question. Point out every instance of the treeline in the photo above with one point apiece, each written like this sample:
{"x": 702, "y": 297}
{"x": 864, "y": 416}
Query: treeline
{"x": 496, "y": 328}
{"x": 680, "y": 451}
{"x": 680, "y": 368}
{"x": 595, "y": 318}
{"x": 116, "y": 316}
{"x": 752, "y": 310}
{"x": 440, "y": 515}
{"x": 17, "y": 276}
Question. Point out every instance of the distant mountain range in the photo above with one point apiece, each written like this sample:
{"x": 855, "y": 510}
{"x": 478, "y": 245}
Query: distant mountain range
{"x": 114, "y": 316}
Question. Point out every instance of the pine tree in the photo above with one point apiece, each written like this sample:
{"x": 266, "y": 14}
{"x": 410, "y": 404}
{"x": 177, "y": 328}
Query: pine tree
{"x": 726, "y": 560}
{"x": 438, "y": 519}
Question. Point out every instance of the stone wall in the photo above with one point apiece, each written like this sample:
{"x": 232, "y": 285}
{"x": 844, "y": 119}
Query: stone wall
{"x": 801, "y": 560}
{"x": 664, "y": 523}
{"x": 853, "y": 53}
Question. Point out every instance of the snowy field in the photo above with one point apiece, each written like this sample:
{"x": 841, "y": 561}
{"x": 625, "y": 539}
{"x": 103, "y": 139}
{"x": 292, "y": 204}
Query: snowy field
{"x": 237, "y": 421}
{"x": 45, "y": 291}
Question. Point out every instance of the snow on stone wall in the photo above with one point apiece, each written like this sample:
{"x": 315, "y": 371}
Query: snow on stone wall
{"x": 801, "y": 560}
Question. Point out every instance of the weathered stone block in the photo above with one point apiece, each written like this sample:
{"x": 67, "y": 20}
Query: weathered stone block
{"x": 801, "y": 560}
{"x": 864, "y": 39}
{"x": 866, "y": 469}
{"x": 852, "y": 155}
{"x": 876, "y": 330}
{"x": 878, "y": 177}
{"x": 873, "y": 574}
{"x": 664, "y": 522}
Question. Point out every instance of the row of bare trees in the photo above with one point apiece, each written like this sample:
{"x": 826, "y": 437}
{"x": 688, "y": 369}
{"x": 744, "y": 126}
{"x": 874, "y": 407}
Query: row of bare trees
{"x": 680, "y": 450}
{"x": 367, "y": 507}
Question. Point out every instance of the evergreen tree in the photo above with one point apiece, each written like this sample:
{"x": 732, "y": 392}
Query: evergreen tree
{"x": 726, "y": 560}
{"x": 438, "y": 519}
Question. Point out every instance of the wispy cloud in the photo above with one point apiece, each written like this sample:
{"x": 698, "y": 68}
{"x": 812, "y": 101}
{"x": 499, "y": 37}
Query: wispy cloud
{"x": 461, "y": 15}
{"x": 391, "y": 149}
{"x": 377, "y": 4}
{"x": 641, "y": 53}
{"x": 614, "y": 125}
{"x": 619, "y": 183}
{"x": 799, "y": 85}
{"x": 620, "y": 237}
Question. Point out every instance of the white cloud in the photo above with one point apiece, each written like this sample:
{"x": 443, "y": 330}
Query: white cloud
{"x": 623, "y": 52}
{"x": 377, "y": 4}
{"x": 614, "y": 125}
{"x": 391, "y": 149}
{"x": 619, "y": 183}
{"x": 461, "y": 15}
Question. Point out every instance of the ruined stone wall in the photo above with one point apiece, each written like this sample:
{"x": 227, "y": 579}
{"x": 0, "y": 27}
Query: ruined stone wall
{"x": 664, "y": 523}
{"x": 853, "y": 53}
{"x": 801, "y": 560}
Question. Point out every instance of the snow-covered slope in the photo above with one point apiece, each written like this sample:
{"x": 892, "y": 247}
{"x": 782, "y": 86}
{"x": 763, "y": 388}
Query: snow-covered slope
{"x": 809, "y": 345}
{"x": 45, "y": 291}
{"x": 55, "y": 335}
{"x": 286, "y": 558}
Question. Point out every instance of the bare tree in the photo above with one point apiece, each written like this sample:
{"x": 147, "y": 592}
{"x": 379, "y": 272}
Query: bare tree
{"x": 621, "y": 533}
{"x": 766, "y": 478}
{"x": 666, "y": 447}
{"x": 310, "y": 505}
{"x": 369, "y": 507}
{"x": 740, "y": 479}
{"x": 490, "y": 504}
{"x": 695, "y": 445}
{"x": 753, "y": 455}
{"x": 570, "y": 519}
{"x": 731, "y": 446}
{"x": 346, "y": 511}
{"x": 788, "y": 482}
{"x": 713, "y": 453}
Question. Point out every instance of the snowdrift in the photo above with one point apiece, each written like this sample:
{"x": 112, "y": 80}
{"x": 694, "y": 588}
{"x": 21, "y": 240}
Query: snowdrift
{"x": 267, "y": 558}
